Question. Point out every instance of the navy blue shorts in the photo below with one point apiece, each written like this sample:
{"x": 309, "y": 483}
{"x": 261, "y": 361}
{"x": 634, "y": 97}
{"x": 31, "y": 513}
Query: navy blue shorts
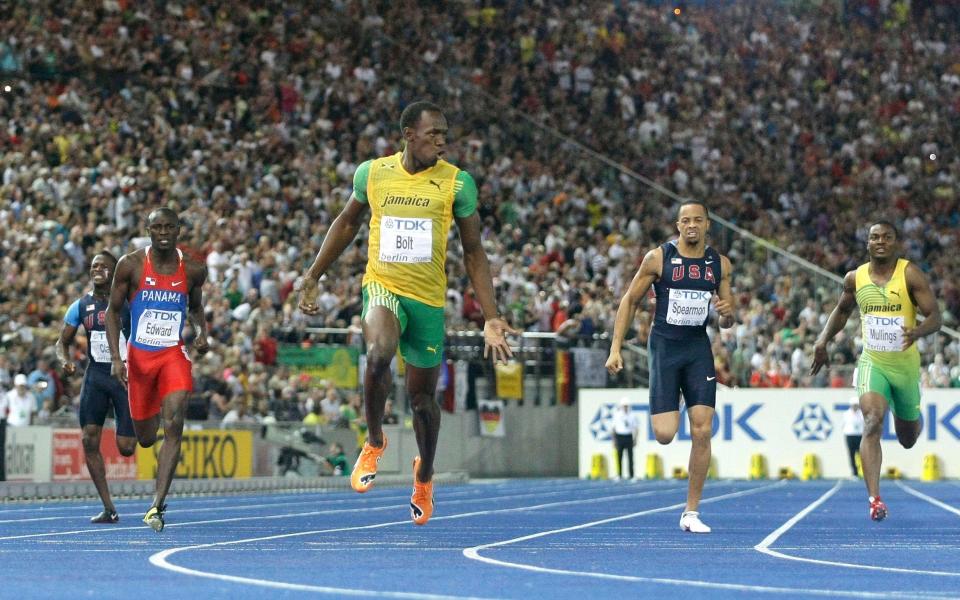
{"x": 100, "y": 391}
{"x": 681, "y": 366}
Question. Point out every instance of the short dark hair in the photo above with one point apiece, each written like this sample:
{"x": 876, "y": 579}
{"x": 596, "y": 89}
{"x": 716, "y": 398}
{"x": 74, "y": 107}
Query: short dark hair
{"x": 163, "y": 210}
{"x": 411, "y": 114}
{"x": 886, "y": 223}
{"x": 703, "y": 205}
{"x": 108, "y": 255}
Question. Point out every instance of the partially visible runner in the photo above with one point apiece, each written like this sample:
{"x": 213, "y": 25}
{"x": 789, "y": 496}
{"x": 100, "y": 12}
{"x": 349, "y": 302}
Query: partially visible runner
{"x": 100, "y": 391}
{"x": 164, "y": 288}
{"x": 888, "y": 291}
{"x": 686, "y": 274}
{"x": 412, "y": 197}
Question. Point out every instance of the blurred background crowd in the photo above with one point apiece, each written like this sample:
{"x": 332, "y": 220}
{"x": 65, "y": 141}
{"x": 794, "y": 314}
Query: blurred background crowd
{"x": 796, "y": 121}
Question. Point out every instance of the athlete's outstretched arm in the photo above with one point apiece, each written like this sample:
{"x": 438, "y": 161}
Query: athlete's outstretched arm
{"x": 119, "y": 292}
{"x": 725, "y": 301}
{"x": 197, "y": 276}
{"x": 67, "y": 334}
{"x": 918, "y": 286}
{"x": 836, "y": 322}
{"x": 342, "y": 231}
{"x": 648, "y": 273}
{"x": 495, "y": 327}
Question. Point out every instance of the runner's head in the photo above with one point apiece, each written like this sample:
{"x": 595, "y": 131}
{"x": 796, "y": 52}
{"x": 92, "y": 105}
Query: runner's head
{"x": 693, "y": 221}
{"x": 163, "y": 225}
{"x": 102, "y": 267}
{"x": 883, "y": 240}
{"x": 424, "y": 130}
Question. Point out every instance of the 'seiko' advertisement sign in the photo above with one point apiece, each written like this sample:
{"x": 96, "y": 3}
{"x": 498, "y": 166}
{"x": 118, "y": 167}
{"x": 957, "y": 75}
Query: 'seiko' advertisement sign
{"x": 204, "y": 454}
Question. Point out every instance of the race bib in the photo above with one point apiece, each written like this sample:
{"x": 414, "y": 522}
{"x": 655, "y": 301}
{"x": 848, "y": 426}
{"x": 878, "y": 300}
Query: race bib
{"x": 404, "y": 240}
{"x": 883, "y": 334}
{"x": 688, "y": 307}
{"x": 100, "y": 350}
{"x": 159, "y": 328}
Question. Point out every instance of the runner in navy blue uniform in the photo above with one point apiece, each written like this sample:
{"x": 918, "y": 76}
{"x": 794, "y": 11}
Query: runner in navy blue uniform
{"x": 686, "y": 275}
{"x": 100, "y": 389}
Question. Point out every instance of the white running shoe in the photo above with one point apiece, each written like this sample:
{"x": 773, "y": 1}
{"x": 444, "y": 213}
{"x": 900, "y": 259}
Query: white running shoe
{"x": 690, "y": 521}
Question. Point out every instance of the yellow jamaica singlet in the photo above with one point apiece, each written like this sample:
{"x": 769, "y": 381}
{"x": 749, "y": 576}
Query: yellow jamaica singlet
{"x": 410, "y": 219}
{"x": 884, "y": 368}
{"x": 884, "y": 312}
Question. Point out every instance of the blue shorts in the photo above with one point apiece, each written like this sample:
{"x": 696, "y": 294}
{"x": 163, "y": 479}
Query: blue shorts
{"x": 681, "y": 366}
{"x": 100, "y": 391}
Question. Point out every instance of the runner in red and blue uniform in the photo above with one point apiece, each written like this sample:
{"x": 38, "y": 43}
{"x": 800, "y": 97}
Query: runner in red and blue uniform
{"x": 164, "y": 289}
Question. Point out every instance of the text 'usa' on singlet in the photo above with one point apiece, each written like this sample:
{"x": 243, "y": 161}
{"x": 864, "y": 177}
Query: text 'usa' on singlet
{"x": 90, "y": 312}
{"x": 684, "y": 291}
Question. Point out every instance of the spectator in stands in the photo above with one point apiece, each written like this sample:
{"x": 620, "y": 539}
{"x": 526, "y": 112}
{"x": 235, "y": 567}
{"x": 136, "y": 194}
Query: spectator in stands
{"x": 237, "y": 414}
{"x": 44, "y": 383}
{"x": 389, "y": 415}
{"x": 20, "y": 403}
{"x": 314, "y": 415}
{"x": 265, "y": 347}
{"x": 262, "y": 165}
{"x": 330, "y": 404}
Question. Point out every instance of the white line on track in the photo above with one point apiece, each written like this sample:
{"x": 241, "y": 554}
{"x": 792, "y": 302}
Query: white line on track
{"x": 160, "y": 558}
{"x": 474, "y": 553}
{"x": 183, "y": 500}
{"x": 284, "y": 503}
{"x": 391, "y": 506}
{"x": 764, "y": 546}
{"x": 929, "y": 499}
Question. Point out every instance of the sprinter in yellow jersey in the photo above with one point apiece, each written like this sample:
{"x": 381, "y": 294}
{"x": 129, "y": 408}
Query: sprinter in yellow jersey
{"x": 888, "y": 291}
{"x": 412, "y": 197}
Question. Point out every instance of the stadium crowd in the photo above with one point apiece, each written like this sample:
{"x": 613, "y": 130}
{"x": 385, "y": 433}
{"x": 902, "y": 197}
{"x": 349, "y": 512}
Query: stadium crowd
{"x": 249, "y": 118}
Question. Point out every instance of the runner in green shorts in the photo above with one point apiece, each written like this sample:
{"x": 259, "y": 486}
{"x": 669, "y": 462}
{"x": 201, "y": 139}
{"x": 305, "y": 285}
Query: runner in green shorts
{"x": 412, "y": 198}
{"x": 421, "y": 325}
{"x": 889, "y": 291}
{"x": 899, "y": 386}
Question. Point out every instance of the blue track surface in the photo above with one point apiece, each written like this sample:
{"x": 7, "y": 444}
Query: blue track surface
{"x": 512, "y": 539}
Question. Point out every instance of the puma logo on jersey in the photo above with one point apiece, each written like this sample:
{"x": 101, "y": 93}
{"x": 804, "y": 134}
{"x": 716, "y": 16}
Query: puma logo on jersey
{"x": 432, "y": 349}
{"x": 436, "y": 183}
{"x": 895, "y": 293}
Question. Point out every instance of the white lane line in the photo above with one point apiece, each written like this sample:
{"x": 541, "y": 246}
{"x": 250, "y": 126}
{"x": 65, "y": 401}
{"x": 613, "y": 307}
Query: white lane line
{"x": 283, "y": 504}
{"x": 764, "y": 546}
{"x": 180, "y": 497}
{"x": 391, "y": 506}
{"x": 69, "y": 506}
{"x": 929, "y": 499}
{"x": 34, "y": 519}
{"x": 187, "y": 502}
{"x": 160, "y": 559}
{"x": 474, "y": 553}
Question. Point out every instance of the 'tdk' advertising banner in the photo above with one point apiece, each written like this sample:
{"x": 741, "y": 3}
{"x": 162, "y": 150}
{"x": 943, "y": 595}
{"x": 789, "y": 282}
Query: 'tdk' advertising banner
{"x": 783, "y": 425}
